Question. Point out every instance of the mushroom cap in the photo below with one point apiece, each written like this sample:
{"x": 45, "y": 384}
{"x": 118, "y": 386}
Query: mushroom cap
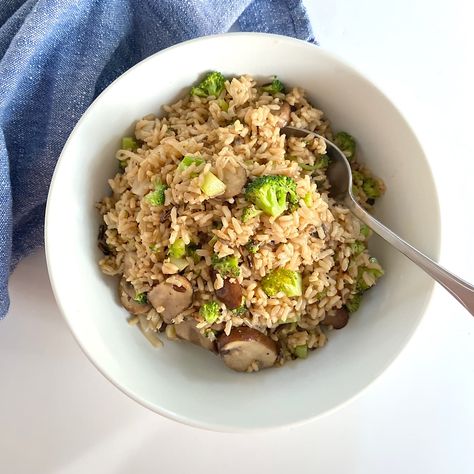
{"x": 337, "y": 320}
{"x": 245, "y": 346}
{"x": 230, "y": 294}
{"x": 174, "y": 295}
{"x": 188, "y": 331}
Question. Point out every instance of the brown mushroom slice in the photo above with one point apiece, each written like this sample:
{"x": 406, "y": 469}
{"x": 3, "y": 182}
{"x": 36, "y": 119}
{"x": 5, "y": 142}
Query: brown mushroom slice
{"x": 337, "y": 320}
{"x": 230, "y": 294}
{"x": 127, "y": 295}
{"x": 188, "y": 331}
{"x": 234, "y": 178}
{"x": 284, "y": 115}
{"x": 174, "y": 295}
{"x": 245, "y": 346}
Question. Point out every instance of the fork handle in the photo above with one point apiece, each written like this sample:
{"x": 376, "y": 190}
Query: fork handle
{"x": 460, "y": 289}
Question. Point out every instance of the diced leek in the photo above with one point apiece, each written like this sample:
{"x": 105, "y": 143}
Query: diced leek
{"x": 181, "y": 263}
{"x": 212, "y": 185}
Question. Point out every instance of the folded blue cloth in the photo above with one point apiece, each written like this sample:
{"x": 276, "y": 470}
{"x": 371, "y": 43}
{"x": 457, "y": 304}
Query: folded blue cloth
{"x": 57, "y": 55}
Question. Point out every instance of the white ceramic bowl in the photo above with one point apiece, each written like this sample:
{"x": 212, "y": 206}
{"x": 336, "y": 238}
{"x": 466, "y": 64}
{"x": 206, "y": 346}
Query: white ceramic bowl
{"x": 184, "y": 382}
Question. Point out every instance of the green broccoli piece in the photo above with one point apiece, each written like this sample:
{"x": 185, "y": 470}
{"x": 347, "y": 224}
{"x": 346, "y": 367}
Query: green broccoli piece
{"x": 188, "y": 160}
{"x": 346, "y": 144}
{"x": 371, "y": 188}
{"x": 191, "y": 252}
{"x": 252, "y": 246}
{"x": 357, "y": 247}
{"x": 272, "y": 194}
{"x": 210, "y": 311}
{"x": 141, "y": 298}
{"x": 157, "y": 197}
{"x": 321, "y": 295}
{"x": 123, "y": 164}
{"x": 129, "y": 143}
{"x": 301, "y": 351}
{"x": 357, "y": 177}
{"x": 274, "y": 87}
{"x": 177, "y": 249}
{"x": 323, "y": 162}
{"x": 226, "y": 266}
{"x": 365, "y": 230}
{"x": 354, "y": 303}
{"x": 240, "y": 310}
{"x": 361, "y": 285}
{"x": 249, "y": 213}
{"x": 287, "y": 281}
{"x": 212, "y": 84}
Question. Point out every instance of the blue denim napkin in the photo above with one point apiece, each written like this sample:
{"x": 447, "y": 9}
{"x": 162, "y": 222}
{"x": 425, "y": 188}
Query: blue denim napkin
{"x": 57, "y": 55}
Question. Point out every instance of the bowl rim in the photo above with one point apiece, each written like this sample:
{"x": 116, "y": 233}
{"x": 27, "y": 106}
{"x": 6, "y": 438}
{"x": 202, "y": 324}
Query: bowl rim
{"x": 218, "y": 427}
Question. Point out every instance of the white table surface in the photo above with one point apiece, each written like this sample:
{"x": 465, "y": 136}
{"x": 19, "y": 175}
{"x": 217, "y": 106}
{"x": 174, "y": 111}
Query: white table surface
{"x": 59, "y": 415}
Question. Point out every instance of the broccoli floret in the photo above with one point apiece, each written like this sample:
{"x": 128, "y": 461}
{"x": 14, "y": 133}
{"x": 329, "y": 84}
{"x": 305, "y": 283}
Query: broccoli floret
{"x": 157, "y": 197}
{"x": 240, "y": 310}
{"x": 252, "y": 246}
{"x": 321, "y": 295}
{"x": 274, "y": 87}
{"x": 272, "y": 194}
{"x": 354, "y": 303}
{"x": 123, "y": 164}
{"x": 188, "y": 160}
{"x": 226, "y": 266}
{"x": 364, "y": 230}
{"x": 129, "y": 143}
{"x": 346, "y": 144}
{"x": 308, "y": 199}
{"x": 210, "y": 311}
{"x": 141, "y": 298}
{"x": 191, "y": 252}
{"x": 357, "y": 178}
{"x": 361, "y": 285}
{"x": 371, "y": 188}
{"x": 249, "y": 213}
{"x": 212, "y": 84}
{"x": 301, "y": 351}
{"x": 287, "y": 281}
{"x": 322, "y": 162}
{"x": 177, "y": 249}
{"x": 357, "y": 247}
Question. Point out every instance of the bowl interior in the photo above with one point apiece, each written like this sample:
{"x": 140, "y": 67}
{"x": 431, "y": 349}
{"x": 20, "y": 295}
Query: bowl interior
{"x": 185, "y": 382}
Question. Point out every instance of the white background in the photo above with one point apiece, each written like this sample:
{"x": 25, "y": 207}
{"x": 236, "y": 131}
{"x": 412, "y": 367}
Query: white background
{"x": 59, "y": 415}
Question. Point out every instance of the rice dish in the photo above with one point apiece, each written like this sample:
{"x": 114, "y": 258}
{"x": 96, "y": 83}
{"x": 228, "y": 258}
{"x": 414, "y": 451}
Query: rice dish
{"x": 221, "y": 230}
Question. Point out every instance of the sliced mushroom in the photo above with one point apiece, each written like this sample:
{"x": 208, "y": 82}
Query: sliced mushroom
{"x": 230, "y": 294}
{"x": 337, "y": 320}
{"x": 102, "y": 241}
{"x": 188, "y": 331}
{"x": 284, "y": 115}
{"x": 234, "y": 179}
{"x": 127, "y": 295}
{"x": 245, "y": 346}
{"x": 174, "y": 295}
